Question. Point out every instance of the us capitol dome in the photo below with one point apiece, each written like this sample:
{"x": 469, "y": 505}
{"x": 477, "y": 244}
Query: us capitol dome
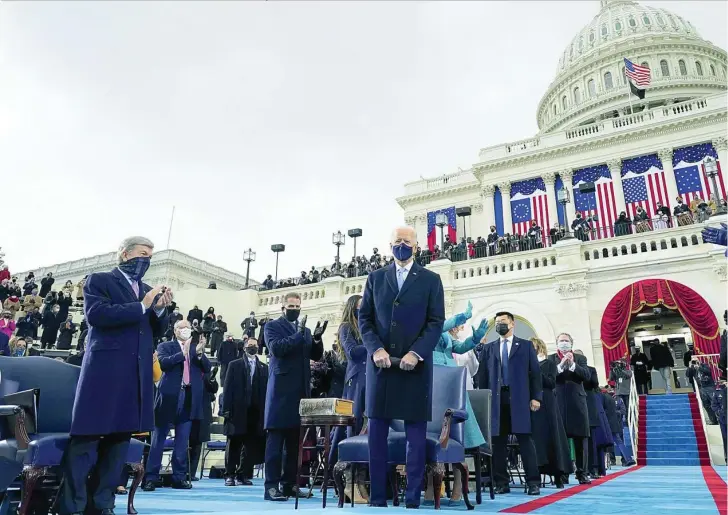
{"x": 590, "y": 82}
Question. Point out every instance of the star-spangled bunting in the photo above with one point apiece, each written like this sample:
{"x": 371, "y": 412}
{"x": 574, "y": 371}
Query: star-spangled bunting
{"x": 600, "y": 202}
{"x": 692, "y": 182}
{"x": 644, "y": 184}
{"x": 529, "y": 202}
{"x": 433, "y": 231}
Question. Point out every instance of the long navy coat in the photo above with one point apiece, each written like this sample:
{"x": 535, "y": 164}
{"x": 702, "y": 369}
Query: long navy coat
{"x": 524, "y": 378}
{"x": 571, "y": 396}
{"x": 172, "y": 363}
{"x": 115, "y": 390}
{"x": 400, "y": 321}
{"x": 289, "y": 372}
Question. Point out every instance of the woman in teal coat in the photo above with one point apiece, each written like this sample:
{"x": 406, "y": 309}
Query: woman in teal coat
{"x": 448, "y": 345}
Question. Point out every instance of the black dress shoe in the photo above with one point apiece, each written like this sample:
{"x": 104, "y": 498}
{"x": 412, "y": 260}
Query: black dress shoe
{"x": 273, "y": 494}
{"x": 412, "y": 506}
{"x": 149, "y": 486}
{"x": 294, "y": 491}
{"x": 378, "y": 505}
{"x": 243, "y": 482}
{"x": 229, "y": 481}
{"x": 502, "y": 489}
{"x": 533, "y": 490}
{"x": 182, "y": 485}
{"x": 583, "y": 479}
{"x": 631, "y": 463}
{"x": 107, "y": 511}
{"x": 194, "y": 478}
{"x": 559, "y": 482}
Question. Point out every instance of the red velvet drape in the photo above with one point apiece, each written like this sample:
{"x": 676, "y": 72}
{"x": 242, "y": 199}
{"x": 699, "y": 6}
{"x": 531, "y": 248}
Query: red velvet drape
{"x": 657, "y": 292}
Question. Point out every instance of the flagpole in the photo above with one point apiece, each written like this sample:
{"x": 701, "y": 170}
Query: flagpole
{"x": 629, "y": 91}
{"x": 169, "y": 237}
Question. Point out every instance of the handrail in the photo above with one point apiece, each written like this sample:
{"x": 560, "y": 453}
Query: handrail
{"x": 633, "y": 414}
{"x": 703, "y": 420}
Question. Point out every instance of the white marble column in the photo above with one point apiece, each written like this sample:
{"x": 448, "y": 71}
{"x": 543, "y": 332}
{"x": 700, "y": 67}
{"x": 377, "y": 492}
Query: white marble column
{"x": 615, "y": 170}
{"x": 505, "y": 189}
{"x": 488, "y": 192}
{"x": 721, "y": 146}
{"x": 420, "y": 225}
{"x": 567, "y": 177}
{"x": 665, "y": 156}
{"x": 549, "y": 179}
{"x": 476, "y": 221}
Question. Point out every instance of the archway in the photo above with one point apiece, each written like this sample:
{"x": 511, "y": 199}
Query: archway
{"x": 653, "y": 293}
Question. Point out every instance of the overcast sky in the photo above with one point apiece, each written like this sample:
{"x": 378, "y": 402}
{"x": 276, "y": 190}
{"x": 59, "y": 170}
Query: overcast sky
{"x": 262, "y": 123}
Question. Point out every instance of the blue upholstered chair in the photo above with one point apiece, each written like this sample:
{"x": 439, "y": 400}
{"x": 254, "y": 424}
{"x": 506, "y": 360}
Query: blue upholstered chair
{"x": 444, "y": 437}
{"x": 41, "y": 451}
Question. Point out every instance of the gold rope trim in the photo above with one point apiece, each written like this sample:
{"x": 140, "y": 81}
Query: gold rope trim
{"x": 717, "y": 332}
{"x": 624, "y": 334}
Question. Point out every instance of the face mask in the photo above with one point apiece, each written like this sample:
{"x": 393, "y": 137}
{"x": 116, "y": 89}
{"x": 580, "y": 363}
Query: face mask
{"x": 356, "y": 313}
{"x": 19, "y": 352}
{"x": 564, "y": 345}
{"x": 136, "y": 267}
{"x": 541, "y": 357}
{"x": 185, "y": 333}
{"x": 401, "y": 252}
{"x": 292, "y": 314}
{"x": 502, "y": 328}
{"x": 252, "y": 351}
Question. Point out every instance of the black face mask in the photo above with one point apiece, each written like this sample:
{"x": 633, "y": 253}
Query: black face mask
{"x": 292, "y": 314}
{"x": 252, "y": 351}
{"x": 502, "y": 328}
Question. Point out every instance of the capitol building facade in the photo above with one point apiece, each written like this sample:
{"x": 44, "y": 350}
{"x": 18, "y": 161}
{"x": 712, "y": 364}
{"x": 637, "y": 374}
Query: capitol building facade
{"x": 590, "y": 134}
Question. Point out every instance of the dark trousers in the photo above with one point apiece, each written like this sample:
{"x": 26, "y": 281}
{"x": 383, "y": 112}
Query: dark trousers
{"x": 195, "y": 452}
{"x": 525, "y": 444}
{"x": 182, "y": 427}
{"x": 415, "y": 434}
{"x": 641, "y": 388}
{"x": 625, "y": 399}
{"x": 596, "y": 456}
{"x": 581, "y": 454}
{"x": 281, "y": 457}
{"x": 621, "y": 448}
{"x": 106, "y": 455}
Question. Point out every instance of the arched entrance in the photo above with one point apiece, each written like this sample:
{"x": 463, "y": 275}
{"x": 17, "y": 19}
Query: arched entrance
{"x": 654, "y": 293}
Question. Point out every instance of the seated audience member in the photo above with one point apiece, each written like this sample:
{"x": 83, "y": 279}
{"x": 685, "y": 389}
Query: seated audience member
{"x": 178, "y": 401}
{"x": 12, "y": 304}
{"x": 7, "y": 324}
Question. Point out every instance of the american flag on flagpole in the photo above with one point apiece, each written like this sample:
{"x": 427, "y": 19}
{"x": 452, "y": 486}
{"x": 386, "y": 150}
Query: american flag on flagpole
{"x": 639, "y": 75}
{"x": 692, "y": 182}
{"x": 600, "y": 202}
{"x": 529, "y": 202}
{"x": 644, "y": 184}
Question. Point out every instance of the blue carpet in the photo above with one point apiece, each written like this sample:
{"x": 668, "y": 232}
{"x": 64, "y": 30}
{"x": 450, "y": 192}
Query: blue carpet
{"x": 670, "y": 431}
{"x": 658, "y": 490}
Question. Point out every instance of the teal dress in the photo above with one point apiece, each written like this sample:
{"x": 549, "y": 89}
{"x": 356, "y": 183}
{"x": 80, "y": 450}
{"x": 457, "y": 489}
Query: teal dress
{"x": 442, "y": 355}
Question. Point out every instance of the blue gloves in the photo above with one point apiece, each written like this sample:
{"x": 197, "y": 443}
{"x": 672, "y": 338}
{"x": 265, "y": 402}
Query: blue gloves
{"x": 479, "y": 333}
{"x": 464, "y": 317}
{"x": 718, "y": 236}
{"x": 469, "y": 311}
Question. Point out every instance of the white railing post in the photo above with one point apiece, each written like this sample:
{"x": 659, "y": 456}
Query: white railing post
{"x": 633, "y": 414}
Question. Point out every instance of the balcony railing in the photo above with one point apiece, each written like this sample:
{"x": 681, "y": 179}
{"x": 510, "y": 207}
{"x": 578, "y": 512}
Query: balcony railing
{"x": 604, "y": 127}
{"x": 442, "y": 182}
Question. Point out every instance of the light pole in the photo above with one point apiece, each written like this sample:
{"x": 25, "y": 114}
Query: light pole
{"x": 563, "y": 198}
{"x": 249, "y": 256}
{"x": 355, "y": 233}
{"x": 277, "y": 248}
{"x": 441, "y": 222}
{"x": 711, "y": 170}
{"x": 338, "y": 239}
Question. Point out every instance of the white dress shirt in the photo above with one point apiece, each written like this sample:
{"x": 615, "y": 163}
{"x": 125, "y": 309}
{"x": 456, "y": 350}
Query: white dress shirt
{"x": 406, "y": 269}
{"x": 510, "y": 344}
{"x": 158, "y": 311}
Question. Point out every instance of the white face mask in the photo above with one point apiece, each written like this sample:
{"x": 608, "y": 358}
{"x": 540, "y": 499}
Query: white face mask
{"x": 185, "y": 333}
{"x": 564, "y": 345}
{"x": 541, "y": 357}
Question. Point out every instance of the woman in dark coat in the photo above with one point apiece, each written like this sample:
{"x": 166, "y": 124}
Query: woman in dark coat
{"x": 200, "y": 431}
{"x": 45, "y": 284}
{"x": 336, "y": 363}
{"x": 51, "y": 324}
{"x": 571, "y": 399}
{"x": 64, "y": 301}
{"x": 547, "y": 426}
{"x": 600, "y": 433}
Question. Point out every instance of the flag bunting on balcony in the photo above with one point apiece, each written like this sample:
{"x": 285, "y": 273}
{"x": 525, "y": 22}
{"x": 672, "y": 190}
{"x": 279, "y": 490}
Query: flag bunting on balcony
{"x": 529, "y": 203}
{"x": 600, "y": 202}
{"x": 433, "y": 231}
{"x": 692, "y": 182}
{"x": 644, "y": 184}
{"x": 652, "y": 293}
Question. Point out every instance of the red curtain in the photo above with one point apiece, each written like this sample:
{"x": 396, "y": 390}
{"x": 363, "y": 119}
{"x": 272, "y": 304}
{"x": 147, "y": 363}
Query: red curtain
{"x": 651, "y": 293}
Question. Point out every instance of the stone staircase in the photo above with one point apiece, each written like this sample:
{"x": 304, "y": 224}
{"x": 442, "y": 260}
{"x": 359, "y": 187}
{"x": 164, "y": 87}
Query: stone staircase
{"x": 670, "y": 431}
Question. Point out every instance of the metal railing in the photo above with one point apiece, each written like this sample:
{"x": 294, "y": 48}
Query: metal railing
{"x": 633, "y": 415}
{"x": 712, "y": 361}
{"x": 703, "y": 419}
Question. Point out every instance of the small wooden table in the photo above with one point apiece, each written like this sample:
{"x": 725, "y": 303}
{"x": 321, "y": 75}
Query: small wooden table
{"x": 326, "y": 422}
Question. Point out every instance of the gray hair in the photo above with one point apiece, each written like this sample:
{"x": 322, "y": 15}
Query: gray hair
{"x": 129, "y": 243}
{"x": 179, "y": 323}
{"x": 567, "y": 335}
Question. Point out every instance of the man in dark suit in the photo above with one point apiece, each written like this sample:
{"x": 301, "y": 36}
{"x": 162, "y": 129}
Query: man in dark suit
{"x": 242, "y": 408}
{"x": 402, "y": 314}
{"x": 292, "y": 347}
{"x": 509, "y": 368}
{"x": 572, "y": 373}
{"x": 180, "y": 400}
{"x": 249, "y": 325}
{"x": 114, "y": 395}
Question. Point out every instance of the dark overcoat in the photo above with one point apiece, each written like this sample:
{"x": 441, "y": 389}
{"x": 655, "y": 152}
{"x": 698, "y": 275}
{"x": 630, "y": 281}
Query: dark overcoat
{"x": 355, "y": 377}
{"x": 571, "y": 396}
{"x": 524, "y": 381}
{"x": 115, "y": 391}
{"x": 240, "y": 393}
{"x": 172, "y": 362}
{"x": 593, "y": 397}
{"x": 549, "y": 436}
{"x": 289, "y": 372}
{"x": 401, "y": 321}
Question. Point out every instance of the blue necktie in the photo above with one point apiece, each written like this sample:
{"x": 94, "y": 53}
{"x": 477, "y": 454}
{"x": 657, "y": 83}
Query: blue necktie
{"x": 504, "y": 362}
{"x": 400, "y": 277}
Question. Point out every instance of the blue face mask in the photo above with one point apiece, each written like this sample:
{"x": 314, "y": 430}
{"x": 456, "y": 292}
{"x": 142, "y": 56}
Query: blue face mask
{"x": 19, "y": 352}
{"x": 136, "y": 267}
{"x": 402, "y": 252}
